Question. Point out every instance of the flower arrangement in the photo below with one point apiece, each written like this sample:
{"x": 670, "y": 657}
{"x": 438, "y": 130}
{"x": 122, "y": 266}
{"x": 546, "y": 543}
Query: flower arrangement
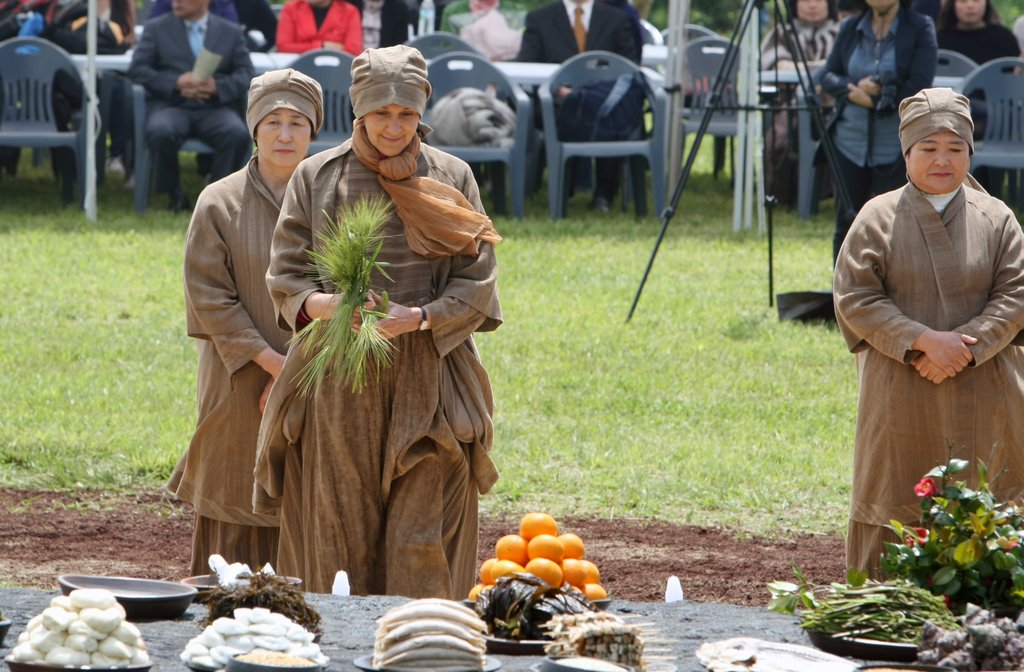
{"x": 351, "y": 342}
{"x": 966, "y": 546}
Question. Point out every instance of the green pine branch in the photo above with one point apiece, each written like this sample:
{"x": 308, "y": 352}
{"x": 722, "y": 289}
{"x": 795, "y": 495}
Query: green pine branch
{"x": 345, "y": 258}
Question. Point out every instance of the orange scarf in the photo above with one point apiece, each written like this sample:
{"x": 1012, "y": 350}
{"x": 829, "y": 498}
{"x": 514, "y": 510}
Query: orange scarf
{"x": 439, "y": 220}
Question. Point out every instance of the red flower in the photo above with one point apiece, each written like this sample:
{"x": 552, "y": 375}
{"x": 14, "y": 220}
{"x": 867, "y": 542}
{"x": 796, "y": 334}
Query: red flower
{"x": 922, "y": 535}
{"x": 926, "y": 488}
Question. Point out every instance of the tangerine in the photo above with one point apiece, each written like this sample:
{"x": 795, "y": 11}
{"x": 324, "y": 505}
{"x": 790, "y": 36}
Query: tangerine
{"x": 502, "y": 568}
{"x": 547, "y": 570}
{"x": 546, "y": 546}
{"x": 593, "y": 575}
{"x": 512, "y": 547}
{"x": 485, "y": 571}
{"x": 475, "y": 591}
{"x": 574, "y": 573}
{"x": 573, "y": 545}
{"x": 533, "y": 524}
{"x": 595, "y": 591}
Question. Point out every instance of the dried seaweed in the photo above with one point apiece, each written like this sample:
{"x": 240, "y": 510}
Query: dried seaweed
{"x": 263, "y": 590}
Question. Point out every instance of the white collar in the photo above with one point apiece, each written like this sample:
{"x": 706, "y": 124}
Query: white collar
{"x": 587, "y": 7}
{"x": 940, "y": 201}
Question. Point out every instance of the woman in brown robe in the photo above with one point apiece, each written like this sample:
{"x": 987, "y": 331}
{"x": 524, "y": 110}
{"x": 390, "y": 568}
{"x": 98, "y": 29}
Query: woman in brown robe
{"x": 929, "y": 295}
{"x": 383, "y": 483}
{"x": 229, "y": 312}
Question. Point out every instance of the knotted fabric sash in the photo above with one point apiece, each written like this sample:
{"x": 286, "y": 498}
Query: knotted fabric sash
{"x": 439, "y": 220}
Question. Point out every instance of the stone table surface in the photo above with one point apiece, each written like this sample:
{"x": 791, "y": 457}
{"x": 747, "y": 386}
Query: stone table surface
{"x": 348, "y": 625}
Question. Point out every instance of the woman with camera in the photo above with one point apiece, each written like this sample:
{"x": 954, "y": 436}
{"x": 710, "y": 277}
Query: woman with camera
{"x": 882, "y": 56}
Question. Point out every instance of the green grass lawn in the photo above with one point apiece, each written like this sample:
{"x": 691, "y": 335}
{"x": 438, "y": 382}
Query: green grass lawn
{"x": 705, "y": 408}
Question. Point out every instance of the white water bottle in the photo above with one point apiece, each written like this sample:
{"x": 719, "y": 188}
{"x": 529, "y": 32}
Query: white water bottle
{"x": 673, "y": 590}
{"x": 426, "y": 24}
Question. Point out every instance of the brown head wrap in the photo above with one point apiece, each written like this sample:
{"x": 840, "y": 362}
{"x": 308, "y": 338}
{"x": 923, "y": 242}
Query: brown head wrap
{"x": 391, "y": 75}
{"x": 933, "y": 110}
{"x": 286, "y": 88}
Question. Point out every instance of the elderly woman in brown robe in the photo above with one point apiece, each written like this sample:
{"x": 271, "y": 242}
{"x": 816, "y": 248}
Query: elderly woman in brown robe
{"x": 229, "y": 312}
{"x": 383, "y": 483}
{"x": 929, "y": 295}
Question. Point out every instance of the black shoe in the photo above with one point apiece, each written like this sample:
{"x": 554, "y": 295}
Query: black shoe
{"x": 179, "y": 203}
{"x": 601, "y": 204}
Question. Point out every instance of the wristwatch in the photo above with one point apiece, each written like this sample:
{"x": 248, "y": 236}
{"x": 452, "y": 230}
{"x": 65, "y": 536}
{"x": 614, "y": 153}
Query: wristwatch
{"x": 424, "y": 319}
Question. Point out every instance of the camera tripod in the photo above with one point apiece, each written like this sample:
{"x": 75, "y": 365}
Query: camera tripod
{"x": 783, "y": 18}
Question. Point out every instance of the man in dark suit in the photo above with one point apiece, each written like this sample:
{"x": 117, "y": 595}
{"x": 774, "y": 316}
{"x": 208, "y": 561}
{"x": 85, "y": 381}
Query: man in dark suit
{"x": 559, "y": 31}
{"x": 550, "y": 35}
{"x": 179, "y": 106}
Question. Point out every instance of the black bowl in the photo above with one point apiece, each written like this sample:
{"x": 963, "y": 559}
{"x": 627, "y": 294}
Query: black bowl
{"x": 141, "y": 598}
{"x": 5, "y": 625}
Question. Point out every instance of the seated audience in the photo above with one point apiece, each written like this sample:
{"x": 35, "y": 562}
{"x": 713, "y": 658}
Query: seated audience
{"x": 972, "y": 28}
{"x": 179, "y": 106}
{"x": 255, "y": 15}
{"x": 306, "y": 25}
{"x": 490, "y": 32}
{"x": 815, "y": 26}
{"x": 385, "y": 22}
{"x": 115, "y": 34}
{"x": 558, "y": 31}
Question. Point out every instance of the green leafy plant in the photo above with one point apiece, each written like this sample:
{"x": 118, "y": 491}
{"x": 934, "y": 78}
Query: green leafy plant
{"x": 891, "y": 611}
{"x": 966, "y": 547}
{"x": 351, "y": 342}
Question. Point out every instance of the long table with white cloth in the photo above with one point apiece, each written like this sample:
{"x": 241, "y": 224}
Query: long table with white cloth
{"x": 523, "y": 74}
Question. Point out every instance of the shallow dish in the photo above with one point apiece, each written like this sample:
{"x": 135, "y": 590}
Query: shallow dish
{"x": 235, "y": 665}
{"x": 5, "y": 625}
{"x": 141, "y": 598}
{"x": 516, "y": 647}
{"x": 365, "y": 663}
{"x": 46, "y": 667}
{"x": 865, "y": 649}
{"x": 204, "y": 583}
{"x": 580, "y": 665}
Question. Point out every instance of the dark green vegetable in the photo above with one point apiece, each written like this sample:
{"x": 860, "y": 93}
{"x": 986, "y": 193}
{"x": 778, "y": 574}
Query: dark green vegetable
{"x": 518, "y": 606}
{"x": 893, "y": 611}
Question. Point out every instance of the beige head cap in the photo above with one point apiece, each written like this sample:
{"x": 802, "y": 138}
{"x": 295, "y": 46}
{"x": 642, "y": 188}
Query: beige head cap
{"x": 933, "y": 110}
{"x": 391, "y": 75}
{"x": 286, "y": 88}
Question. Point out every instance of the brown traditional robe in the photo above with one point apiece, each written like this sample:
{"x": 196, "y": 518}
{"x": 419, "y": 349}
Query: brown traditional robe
{"x": 383, "y": 483}
{"x": 905, "y": 268}
{"x": 229, "y": 311}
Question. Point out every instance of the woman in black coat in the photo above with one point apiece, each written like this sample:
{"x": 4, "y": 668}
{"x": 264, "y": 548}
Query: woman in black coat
{"x": 880, "y": 57}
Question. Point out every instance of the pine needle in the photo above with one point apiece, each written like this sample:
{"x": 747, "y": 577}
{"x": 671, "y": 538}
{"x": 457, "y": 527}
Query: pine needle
{"x": 345, "y": 259}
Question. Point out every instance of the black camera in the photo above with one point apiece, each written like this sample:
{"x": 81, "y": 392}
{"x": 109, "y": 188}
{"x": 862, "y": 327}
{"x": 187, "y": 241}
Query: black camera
{"x": 888, "y": 98}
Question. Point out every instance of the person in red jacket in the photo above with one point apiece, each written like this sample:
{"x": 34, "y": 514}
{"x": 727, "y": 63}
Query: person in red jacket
{"x": 305, "y": 25}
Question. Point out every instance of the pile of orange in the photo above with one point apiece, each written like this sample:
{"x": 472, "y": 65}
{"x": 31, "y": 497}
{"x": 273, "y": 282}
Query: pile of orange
{"x": 538, "y": 549}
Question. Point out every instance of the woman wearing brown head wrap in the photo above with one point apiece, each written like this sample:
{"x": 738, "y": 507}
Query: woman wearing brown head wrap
{"x": 241, "y": 347}
{"x": 384, "y": 483}
{"x": 929, "y": 295}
